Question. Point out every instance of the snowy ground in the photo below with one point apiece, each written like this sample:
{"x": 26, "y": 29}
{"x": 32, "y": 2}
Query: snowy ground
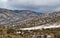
{"x": 41, "y": 27}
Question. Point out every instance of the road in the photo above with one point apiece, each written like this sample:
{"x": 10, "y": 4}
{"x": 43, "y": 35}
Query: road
{"x": 42, "y": 27}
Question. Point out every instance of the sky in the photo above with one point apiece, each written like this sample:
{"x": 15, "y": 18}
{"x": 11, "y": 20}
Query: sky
{"x": 44, "y": 6}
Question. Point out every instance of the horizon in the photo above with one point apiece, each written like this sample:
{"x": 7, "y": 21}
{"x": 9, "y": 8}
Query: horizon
{"x": 43, "y": 6}
{"x": 29, "y": 18}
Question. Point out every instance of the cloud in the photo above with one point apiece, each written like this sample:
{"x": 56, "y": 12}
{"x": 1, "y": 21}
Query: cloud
{"x": 3, "y": 3}
{"x": 57, "y": 9}
{"x": 36, "y": 2}
{"x": 37, "y": 5}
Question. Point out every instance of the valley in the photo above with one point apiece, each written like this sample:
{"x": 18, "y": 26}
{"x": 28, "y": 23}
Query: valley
{"x": 26, "y": 23}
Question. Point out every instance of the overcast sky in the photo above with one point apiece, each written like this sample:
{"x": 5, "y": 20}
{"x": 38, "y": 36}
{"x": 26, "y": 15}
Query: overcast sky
{"x": 35, "y": 5}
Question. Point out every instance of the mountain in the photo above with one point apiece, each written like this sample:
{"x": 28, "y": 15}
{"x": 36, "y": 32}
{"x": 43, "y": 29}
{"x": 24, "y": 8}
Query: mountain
{"x": 27, "y": 18}
{"x": 8, "y": 16}
{"x": 49, "y": 19}
{"x": 27, "y": 13}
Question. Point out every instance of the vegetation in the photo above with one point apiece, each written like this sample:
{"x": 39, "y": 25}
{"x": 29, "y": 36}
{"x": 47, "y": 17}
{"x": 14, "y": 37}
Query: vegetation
{"x": 9, "y": 32}
{"x": 41, "y": 20}
{"x": 16, "y": 22}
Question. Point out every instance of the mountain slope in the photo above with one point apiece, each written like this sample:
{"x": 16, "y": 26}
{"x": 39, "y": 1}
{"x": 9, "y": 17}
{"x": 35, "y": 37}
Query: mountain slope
{"x": 26, "y": 19}
{"x": 27, "y": 13}
{"x": 49, "y": 18}
{"x": 7, "y": 16}
{"x": 55, "y": 25}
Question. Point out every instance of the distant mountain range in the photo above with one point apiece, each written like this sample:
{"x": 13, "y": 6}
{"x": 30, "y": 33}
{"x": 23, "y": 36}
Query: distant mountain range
{"x": 27, "y": 18}
{"x": 49, "y": 19}
{"x": 27, "y": 12}
{"x": 9, "y": 16}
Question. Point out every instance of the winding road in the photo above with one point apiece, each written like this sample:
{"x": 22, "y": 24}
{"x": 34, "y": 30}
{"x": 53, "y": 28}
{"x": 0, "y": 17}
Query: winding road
{"x": 42, "y": 27}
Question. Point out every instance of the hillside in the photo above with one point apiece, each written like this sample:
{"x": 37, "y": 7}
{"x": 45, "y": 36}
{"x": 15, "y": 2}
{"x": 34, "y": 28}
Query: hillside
{"x": 13, "y": 24}
{"x": 49, "y": 18}
{"x": 10, "y": 16}
{"x": 26, "y": 18}
{"x": 27, "y": 13}
{"x": 7, "y": 16}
